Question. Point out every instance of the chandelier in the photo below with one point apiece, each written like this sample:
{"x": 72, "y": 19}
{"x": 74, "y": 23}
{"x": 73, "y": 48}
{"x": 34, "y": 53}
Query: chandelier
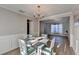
{"x": 37, "y": 14}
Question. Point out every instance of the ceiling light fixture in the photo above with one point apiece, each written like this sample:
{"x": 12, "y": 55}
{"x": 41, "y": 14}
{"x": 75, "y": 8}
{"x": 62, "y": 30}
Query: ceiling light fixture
{"x": 37, "y": 13}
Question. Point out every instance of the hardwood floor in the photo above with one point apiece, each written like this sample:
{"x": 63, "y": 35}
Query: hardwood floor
{"x": 63, "y": 49}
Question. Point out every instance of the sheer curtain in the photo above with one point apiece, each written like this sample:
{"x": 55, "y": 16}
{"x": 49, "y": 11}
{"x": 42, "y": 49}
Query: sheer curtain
{"x": 56, "y": 28}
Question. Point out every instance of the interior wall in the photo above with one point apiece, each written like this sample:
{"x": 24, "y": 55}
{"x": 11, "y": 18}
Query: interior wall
{"x": 72, "y": 34}
{"x": 65, "y": 23}
{"x": 12, "y": 23}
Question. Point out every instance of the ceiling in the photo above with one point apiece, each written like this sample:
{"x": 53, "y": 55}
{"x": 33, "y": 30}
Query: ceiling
{"x": 59, "y": 20}
{"x": 46, "y": 9}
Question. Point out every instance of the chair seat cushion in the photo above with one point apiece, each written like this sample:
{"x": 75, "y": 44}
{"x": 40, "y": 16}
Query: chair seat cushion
{"x": 47, "y": 50}
{"x": 30, "y": 50}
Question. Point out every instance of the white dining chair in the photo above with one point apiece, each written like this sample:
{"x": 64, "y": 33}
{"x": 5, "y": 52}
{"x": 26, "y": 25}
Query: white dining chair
{"x": 22, "y": 47}
{"x": 26, "y": 49}
{"x": 52, "y": 43}
{"x": 49, "y": 50}
{"x": 44, "y": 35}
{"x": 27, "y": 36}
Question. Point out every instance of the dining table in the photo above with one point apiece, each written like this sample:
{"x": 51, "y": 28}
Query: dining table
{"x": 36, "y": 42}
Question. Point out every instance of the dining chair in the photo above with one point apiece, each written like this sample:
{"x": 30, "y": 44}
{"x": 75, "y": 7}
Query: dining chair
{"x": 44, "y": 35}
{"x": 27, "y": 36}
{"x": 22, "y": 47}
{"x": 48, "y": 50}
{"x": 26, "y": 49}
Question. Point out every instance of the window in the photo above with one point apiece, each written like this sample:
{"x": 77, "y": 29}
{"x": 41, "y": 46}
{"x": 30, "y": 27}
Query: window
{"x": 56, "y": 28}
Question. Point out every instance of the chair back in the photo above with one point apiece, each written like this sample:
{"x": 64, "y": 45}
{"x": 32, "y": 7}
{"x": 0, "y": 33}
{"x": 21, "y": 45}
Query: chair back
{"x": 29, "y": 35}
{"x": 22, "y": 45}
{"x": 52, "y": 43}
{"x": 44, "y": 35}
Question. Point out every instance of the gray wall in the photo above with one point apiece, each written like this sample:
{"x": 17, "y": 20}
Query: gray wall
{"x": 12, "y": 23}
{"x": 65, "y": 22}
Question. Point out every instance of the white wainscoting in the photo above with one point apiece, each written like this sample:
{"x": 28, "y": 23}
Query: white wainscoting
{"x": 9, "y": 42}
